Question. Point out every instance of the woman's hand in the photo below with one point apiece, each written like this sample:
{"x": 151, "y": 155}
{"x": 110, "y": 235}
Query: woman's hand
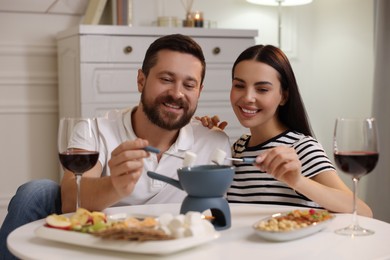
{"x": 282, "y": 162}
{"x": 126, "y": 165}
{"x": 210, "y": 122}
{"x": 326, "y": 188}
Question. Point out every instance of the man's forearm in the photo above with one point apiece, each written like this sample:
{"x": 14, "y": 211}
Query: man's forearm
{"x": 96, "y": 193}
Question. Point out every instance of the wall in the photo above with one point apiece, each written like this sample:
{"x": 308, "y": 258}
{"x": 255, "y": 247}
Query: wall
{"x": 329, "y": 43}
{"x": 28, "y": 90}
{"x": 335, "y": 65}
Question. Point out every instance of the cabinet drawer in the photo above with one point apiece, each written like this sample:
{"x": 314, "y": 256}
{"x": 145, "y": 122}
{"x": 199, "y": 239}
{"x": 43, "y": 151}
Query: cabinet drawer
{"x": 217, "y": 83}
{"x": 96, "y": 48}
{"x": 118, "y": 49}
{"x": 109, "y": 83}
{"x": 223, "y": 50}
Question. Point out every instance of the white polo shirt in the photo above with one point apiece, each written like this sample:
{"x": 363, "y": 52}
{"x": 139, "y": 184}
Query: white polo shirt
{"x": 117, "y": 128}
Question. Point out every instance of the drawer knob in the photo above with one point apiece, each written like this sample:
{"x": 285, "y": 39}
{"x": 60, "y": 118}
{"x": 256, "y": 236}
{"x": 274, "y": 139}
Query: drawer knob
{"x": 128, "y": 49}
{"x": 216, "y": 50}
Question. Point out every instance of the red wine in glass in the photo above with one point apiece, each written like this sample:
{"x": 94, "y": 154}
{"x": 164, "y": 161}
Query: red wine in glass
{"x": 78, "y": 161}
{"x": 356, "y": 163}
{"x": 78, "y": 147}
{"x": 356, "y": 153}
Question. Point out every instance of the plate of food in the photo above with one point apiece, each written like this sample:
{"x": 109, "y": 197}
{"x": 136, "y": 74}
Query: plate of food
{"x": 292, "y": 225}
{"x": 144, "y": 234}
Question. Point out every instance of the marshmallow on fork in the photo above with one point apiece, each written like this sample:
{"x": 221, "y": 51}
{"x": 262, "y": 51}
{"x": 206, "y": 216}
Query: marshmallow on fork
{"x": 219, "y": 156}
{"x": 189, "y": 159}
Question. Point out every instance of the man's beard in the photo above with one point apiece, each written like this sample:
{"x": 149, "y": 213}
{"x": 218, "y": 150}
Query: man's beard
{"x": 163, "y": 119}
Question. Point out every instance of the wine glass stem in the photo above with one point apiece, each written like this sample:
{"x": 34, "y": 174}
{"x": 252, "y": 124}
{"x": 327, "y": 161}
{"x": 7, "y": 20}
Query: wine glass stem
{"x": 355, "y": 196}
{"x": 78, "y": 201}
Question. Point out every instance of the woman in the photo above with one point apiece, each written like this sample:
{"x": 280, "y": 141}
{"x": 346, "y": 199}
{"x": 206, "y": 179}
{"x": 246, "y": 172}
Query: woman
{"x": 291, "y": 166}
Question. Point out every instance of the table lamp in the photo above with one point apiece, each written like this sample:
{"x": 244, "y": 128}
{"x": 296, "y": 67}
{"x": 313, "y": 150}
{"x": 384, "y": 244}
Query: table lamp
{"x": 280, "y": 3}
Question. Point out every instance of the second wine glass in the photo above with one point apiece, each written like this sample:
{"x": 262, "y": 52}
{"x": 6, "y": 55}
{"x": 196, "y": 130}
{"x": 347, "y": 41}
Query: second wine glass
{"x": 356, "y": 153}
{"x": 78, "y": 147}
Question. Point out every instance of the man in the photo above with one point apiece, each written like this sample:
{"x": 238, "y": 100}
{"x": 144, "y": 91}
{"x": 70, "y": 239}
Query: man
{"x": 170, "y": 83}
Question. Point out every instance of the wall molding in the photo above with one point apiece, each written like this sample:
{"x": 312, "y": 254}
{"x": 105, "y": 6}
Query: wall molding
{"x": 12, "y": 49}
{"x": 26, "y": 80}
{"x": 29, "y": 80}
{"x": 45, "y": 107}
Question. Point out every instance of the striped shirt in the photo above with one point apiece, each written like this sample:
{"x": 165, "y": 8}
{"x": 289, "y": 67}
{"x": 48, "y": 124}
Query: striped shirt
{"x": 250, "y": 185}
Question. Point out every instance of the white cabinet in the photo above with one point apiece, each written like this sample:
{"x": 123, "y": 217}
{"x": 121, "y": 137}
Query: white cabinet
{"x": 98, "y": 68}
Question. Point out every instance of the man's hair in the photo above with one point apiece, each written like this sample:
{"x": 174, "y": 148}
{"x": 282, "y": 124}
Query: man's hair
{"x": 173, "y": 42}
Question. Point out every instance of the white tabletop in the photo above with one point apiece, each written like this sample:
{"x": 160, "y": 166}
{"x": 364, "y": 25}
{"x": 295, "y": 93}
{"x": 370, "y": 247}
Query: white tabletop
{"x": 237, "y": 242}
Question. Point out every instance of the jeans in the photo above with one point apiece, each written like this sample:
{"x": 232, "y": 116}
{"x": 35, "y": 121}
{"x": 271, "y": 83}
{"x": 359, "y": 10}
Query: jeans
{"x": 33, "y": 200}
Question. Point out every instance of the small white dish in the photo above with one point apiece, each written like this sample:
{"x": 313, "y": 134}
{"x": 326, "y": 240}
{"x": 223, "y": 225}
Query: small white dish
{"x": 280, "y": 236}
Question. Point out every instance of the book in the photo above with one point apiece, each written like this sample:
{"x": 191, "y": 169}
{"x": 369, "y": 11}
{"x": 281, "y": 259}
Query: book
{"x": 119, "y": 12}
{"x": 94, "y": 11}
{"x": 129, "y": 12}
{"x": 113, "y": 12}
{"x": 124, "y": 12}
{"x": 107, "y": 16}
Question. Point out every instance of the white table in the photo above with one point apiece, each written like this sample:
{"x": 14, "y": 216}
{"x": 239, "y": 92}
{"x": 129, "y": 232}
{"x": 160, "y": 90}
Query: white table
{"x": 238, "y": 242}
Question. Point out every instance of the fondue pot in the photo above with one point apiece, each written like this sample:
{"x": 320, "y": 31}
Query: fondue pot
{"x": 205, "y": 186}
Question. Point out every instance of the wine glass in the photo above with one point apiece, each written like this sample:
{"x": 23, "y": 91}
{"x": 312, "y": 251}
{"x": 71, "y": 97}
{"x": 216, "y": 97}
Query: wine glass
{"x": 356, "y": 153}
{"x": 78, "y": 147}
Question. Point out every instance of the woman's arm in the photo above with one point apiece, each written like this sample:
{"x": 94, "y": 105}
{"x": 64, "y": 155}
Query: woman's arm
{"x": 329, "y": 191}
{"x": 326, "y": 188}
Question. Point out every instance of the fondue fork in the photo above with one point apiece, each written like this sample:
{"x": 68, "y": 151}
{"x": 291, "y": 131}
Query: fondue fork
{"x": 244, "y": 159}
{"x": 188, "y": 159}
{"x": 220, "y": 155}
{"x": 157, "y": 151}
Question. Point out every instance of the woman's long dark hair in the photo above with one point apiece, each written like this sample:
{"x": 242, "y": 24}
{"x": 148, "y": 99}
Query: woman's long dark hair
{"x": 293, "y": 113}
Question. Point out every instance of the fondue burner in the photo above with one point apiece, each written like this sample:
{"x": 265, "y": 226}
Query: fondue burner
{"x": 218, "y": 206}
{"x": 206, "y": 186}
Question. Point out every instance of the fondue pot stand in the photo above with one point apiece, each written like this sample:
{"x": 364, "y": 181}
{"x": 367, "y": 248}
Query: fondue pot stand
{"x": 218, "y": 206}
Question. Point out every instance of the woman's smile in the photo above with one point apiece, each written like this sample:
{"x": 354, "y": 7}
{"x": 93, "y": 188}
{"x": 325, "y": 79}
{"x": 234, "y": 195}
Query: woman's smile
{"x": 249, "y": 112}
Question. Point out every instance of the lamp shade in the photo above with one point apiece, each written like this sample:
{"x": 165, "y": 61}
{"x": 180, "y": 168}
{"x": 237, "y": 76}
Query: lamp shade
{"x": 282, "y": 2}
